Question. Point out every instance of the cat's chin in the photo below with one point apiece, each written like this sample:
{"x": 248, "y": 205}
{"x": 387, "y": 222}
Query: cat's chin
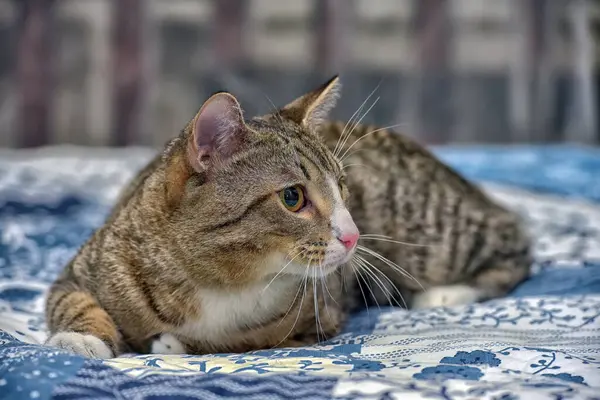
{"x": 322, "y": 272}
{"x": 337, "y": 260}
{"x": 313, "y": 271}
{"x": 333, "y": 261}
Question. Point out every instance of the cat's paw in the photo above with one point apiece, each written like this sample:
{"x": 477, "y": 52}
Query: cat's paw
{"x": 83, "y": 345}
{"x": 167, "y": 344}
{"x": 446, "y": 296}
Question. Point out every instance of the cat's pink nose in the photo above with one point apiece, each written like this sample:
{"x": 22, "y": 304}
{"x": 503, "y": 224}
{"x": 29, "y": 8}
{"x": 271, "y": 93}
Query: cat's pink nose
{"x": 349, "y": 239}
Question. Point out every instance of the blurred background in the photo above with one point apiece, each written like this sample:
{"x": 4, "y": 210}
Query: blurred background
{"x": 133, "y": 72}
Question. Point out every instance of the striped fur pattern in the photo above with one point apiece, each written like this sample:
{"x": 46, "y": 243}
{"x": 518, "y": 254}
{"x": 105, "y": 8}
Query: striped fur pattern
{"x": 200, "y": 255}
{"x": 453, "y": 244}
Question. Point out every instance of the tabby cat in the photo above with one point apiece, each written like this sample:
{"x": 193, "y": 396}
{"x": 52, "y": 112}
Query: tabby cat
{"x": 239, "y": 236}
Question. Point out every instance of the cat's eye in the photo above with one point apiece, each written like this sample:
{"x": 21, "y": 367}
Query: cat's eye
{"x": 293, "y": 198}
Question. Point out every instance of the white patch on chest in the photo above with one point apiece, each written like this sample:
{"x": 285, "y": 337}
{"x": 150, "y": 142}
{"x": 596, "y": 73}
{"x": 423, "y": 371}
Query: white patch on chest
{"x": 225, "y": 312}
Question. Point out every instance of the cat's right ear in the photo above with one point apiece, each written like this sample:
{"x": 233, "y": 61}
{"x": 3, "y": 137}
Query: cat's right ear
{"x": 313, "y": 108}
{"x": 217, "y": 132}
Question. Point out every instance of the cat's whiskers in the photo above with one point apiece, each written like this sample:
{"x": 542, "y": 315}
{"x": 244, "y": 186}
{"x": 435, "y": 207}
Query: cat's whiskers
{"x": 363, "y": 269}
{"x": 389, "y": 239}
{"x": 335, "y": 150}
{"x": 305, "y": 284}
{"x": 375, "y": 235}
{"x": 343, "y": 156}
{"x": 324, "y": 281}
{"x": 389, "y": 263}
{"x": 323, "y": 289}
{"x": 344, "y": 284}
{"x": 384, "y": 276}
{"x": 293, "y": 302}
{"x": 351, "y": 130}
{"x": 357, "y": 165}
{"x": 355, "y": 269}
{"x": 373, "y": 269}
{"x": 275, "y": 109}
{"x": 281, "y": 270}
{"x": 344, "y": 132}
{"x": 316, "y": 305}
{"x": 352, "y": 153}
{"x": 395, "y": 267}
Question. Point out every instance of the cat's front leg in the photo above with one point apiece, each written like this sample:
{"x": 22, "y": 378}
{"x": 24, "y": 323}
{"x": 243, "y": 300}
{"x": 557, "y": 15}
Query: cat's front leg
{"x": 79, "y": 324}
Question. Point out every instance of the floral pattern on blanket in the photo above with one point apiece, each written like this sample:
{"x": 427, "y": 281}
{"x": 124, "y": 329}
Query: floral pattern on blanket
{"x": 543, "y": 341}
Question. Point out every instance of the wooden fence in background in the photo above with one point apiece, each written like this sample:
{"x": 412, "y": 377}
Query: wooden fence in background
{"x": 536, "y": 77}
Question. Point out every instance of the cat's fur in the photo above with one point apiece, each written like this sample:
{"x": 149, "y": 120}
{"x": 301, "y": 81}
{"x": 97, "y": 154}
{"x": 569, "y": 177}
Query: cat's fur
{"x": 195, "y": 246}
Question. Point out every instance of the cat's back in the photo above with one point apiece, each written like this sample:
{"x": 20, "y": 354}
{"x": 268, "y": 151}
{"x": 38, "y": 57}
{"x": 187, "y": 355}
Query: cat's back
{"x": 378, "y": 157}
{"x": 134, "y": 185}
{"x": 401, "y": 190}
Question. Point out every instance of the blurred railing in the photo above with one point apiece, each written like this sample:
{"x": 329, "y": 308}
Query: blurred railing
{"x": 102, "y": 72}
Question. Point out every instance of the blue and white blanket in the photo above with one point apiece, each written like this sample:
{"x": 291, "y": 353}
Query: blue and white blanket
{"x": 542, "y": 342}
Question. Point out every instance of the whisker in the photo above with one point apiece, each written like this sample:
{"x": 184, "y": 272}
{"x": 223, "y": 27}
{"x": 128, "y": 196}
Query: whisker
{"x": 384, "y": 260}
{"x": 280, "y": 271}
{"x": 357, "y": 165}
{"x": 342, "y": 157}
{"x": 390, "y": 240}
{"x": 352, "y": 153}
{"x": 316, "y": 304}
{"x": 366, "y": 283}
{"x": 291, "y": 305}
{"x": 373, "y": 270}
{"x": 323, "y": 289}
{"x": 344, "y": 283}
{"x": 275, "y": 109}
{"x": 396, "y": 290}
{"x": 305, "y": 283}
{"x": 344, "y": 132}
{"x": 365, "y": 265}
{"x": 389, "y": 263}
{"x": 354, "y": 271}
{"x": 355, "y": 125}
{"x": 335, "y": 150}
{"x": 324, "y": 281}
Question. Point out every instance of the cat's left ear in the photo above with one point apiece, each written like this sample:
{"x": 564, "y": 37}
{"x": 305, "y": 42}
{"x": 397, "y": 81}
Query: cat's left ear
{"x": 313, "y": 108}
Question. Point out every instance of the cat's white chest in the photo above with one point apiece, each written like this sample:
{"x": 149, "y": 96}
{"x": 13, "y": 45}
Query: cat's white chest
{"x": 225, "y": 312}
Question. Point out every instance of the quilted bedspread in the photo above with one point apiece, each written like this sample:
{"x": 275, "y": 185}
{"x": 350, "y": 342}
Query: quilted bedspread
{"x": 540, "y": 342}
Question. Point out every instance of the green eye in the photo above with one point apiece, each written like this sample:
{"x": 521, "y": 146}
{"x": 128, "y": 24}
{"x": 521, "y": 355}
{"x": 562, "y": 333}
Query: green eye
{"x": 292, "y": 198}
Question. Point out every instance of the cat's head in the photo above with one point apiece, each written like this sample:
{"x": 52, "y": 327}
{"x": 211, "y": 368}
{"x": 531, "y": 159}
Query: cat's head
{"x": 255, "y": 195}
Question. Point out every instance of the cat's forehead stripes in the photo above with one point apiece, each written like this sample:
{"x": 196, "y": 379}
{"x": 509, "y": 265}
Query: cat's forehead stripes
{"x": 305, "y": 144}
{"x": 318, "y": 155}
{"x": 304, "y": 171}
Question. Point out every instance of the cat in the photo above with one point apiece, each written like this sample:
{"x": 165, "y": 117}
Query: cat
{"x": 243, "y": 234}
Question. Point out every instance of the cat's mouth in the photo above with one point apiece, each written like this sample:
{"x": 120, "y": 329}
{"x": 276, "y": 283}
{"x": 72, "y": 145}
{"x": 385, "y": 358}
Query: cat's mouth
{"x": 328, "y": 264}
{"x": 332, "y": 260}
{"x": 312, "y": 261}
{"x": 337, "y": 255}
